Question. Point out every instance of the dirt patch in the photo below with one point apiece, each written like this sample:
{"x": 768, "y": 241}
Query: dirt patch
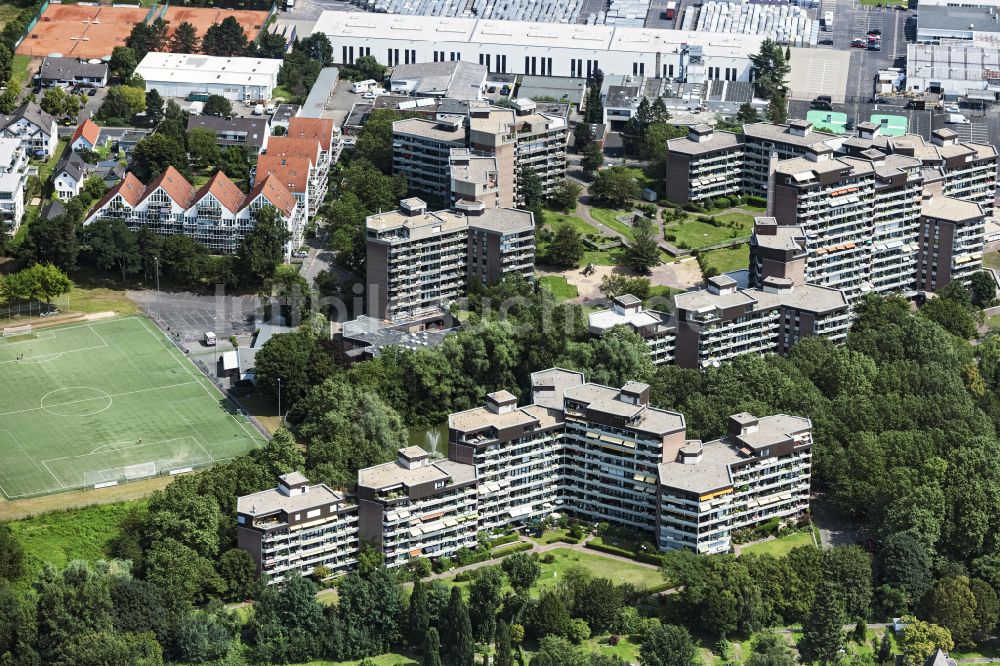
{"x": 32, "y": 506}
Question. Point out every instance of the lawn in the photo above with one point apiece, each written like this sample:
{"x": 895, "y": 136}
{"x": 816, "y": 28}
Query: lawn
{"x": 103, "y": 402}
{"x": 551, "y": 536}
{"x": 62, "y": 536}
{"x": 991, "y": 259}
{"x": 642, "y": 577}
{"x": 779, "y": 547}
{"x": 553, "y": 219}
{"x": 45, "y": 168}
{"x": 626, "y": 650}
{"x": 613, "y": 257}
{"x": 95, "y": 292}
{"x": 696, "y": 233}
{"x": 19, "y": 70}
{"x": 609, "y": 218}
{"x": 559, "y": 287}
{"x": 730, "y": 259}
{"x": 388, "y": 659}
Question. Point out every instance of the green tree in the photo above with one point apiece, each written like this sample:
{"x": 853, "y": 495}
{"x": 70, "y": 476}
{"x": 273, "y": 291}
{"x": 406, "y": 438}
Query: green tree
{"x": 11, "y": 556}
{"x": 112, "y": 245}
{"x": 287, "y": 622}
{"x": 419, "y": 614}
{"x": 667, "y": 645}
{"x": 364, "y": 68}
{"x": 458, "y": 649}
{"x": 644, "y": 250}
{"x": 772, "y": 70}
{"x": 108, "y": 647}
{"x": 504, "y": 655}
{"x": 905, "y": 563}
{"x": 530, "y": 190}
{"x": 154, "y": 107}
{"x": 951, "y": 604}
{"x": 564, "y": 196}
{"x": 48, "y": 281}
{"x": 987, "y": 607}
{"x": 202, "y": 147}
{"x": 747, "y": 114}
{"x": 184, "y": 39}
{"x": 295, "y": 358}
{"x": 8, "y": 100}
{"x": 921, "y": 639}
{"x": 184, "y": 259}
{"x": 615, "y": 187}
{"x": 952, "y": 315}
{"x": 822, "y": 630}
{"x": 885, "y": 649}
{"x": 298, "y": 73}
{"x": 54, "y": 240}
{"x": 851, "y": 568}
{"x": 346, "y": 427}
{"x": 225, "y": 39}
{"x": 375, "y": 140}
{"x": 485, "y": 595}
{"x": 72, "y": 603}
{"x": 548, "y": 616}
{"x": 370, "y": 606}
{"x": 270, "y": 45}
{"x": 18, "y": 626}
{"x": 982, "y": 288}
{"x": 593, "y": 158}
{"x": 239, "y": 572}
{"x": 769, "y": 649}
{"x": 6, "y": 62}
{"x": 153, "y": 154}
{"x": 566, "y": 247}
{"x": 217, "y": 105}
{"x": 123, "y": 62}
{"x": 619, "y": 284}
{"x": 431, "y": 648}
{"x": 522, "y": 571}
{"x": 146, "y": 37}
{"x": 265, "y": 245}
{"x": 317, "y": 46}
{"x": 777, "y": 109}
{"x": 202, "y": 636}
{"x": 55, "y": 101}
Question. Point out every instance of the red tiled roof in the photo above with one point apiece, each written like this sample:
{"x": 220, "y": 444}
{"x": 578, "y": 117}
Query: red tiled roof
{"x": 224, "y": 190}
{"x": 293, "y": 172}
{"x": 131, "y": 189}
{"x": 275, "y": 193}
{"x": 320, "y": 129}
{"x": 89, "y": 130}
{"x": 289, "y": 147}
{"x": 175, "y": 185}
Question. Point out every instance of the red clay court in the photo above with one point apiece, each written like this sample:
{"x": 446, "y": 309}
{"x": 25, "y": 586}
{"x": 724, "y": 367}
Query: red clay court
{"x": 202, "y": 19}
{"x": 81, "y": 31}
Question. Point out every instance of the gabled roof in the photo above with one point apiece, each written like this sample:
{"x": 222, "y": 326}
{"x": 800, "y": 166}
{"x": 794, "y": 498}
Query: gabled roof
{"x": 320, "y": 129}
{"x": 293, "y": 172}
{"x": 89, "y": 130}
{"x": 224, "y": 190}
{"x": 131, "y": 189}
{"x": 175, "y": 185}
{"x": 275, "y": 193}
{"x": 291, "y": 147}
{"x": 74, "y": 165}
{"x": 32, "y": 113}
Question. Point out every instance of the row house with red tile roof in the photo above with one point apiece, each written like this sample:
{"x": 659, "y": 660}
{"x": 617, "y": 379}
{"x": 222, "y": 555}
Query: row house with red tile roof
{"x": 301, "y": 160}
{"x": 218, "y": 214}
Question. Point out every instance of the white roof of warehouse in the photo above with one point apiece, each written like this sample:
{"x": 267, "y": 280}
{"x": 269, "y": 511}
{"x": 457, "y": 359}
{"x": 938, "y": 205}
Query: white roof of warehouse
{"x": 523, "y": 33}
{"x": 203, "y": 69}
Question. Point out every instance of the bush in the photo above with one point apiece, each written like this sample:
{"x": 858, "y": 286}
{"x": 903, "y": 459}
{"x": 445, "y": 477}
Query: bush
{"x": 723, "y": 202}
{"x": 757, "y": 202}
{"x": 505, "y": 539}
{"x": 549, "y": 558}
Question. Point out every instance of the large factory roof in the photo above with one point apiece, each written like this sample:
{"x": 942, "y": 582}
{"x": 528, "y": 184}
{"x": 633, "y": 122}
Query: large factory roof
{"x": 523, "y": 33}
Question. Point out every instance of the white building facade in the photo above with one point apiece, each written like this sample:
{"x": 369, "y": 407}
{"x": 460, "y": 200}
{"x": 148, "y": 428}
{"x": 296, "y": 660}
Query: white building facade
{"x": 236, "y": 79}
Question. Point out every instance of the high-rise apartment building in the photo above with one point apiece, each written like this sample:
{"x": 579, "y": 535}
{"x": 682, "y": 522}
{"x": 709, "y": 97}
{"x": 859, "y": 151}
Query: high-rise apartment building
{"x": 759, "y": 471}
{"x": 599, "y": 453}
{"x": 420, "y": 261}
{"x": 951, "y": 238}
{"x": 704, "y": 165}
{"x": 656, "y": 328}
{"x": 298, "y": 526}
{"x": 516, "y": 137}
{"x": 417, "y": 507}
{"x": 478, "y": 179}
{"x": 13, "y": 178}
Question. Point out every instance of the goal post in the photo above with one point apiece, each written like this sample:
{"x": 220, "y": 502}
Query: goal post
{"x": 14, "y": 331}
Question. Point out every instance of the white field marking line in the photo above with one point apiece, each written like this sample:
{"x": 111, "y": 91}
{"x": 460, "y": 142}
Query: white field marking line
{"x": 198, "y": 377}
{"x": 124, "y": 448}
{"x": 53, "y": 475}
{"x": 17, "y": 443}
{"x": 211, "y": 458}
{"x": 52, "y": 336}
{"x": 38, "y": 337}
{"x": 115, "y": 395}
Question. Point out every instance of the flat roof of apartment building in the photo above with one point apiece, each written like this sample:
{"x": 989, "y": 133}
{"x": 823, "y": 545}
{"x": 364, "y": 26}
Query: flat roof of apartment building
{"x": 271, "y": 500}
{"x": 781, "y": 237}
{"x": 803, "y": 167}
{"x": 807, "y": 297}
{"x": 605, "y": 320}
{"x": 950, "y": 209}
{"x": 549, "y": 386}
{"x": 719, "y": 140}
{"x": 703, "y": 300}
{"x": 772, "y": 430}
{"x": 709, "y": 474}
{"x": 449, "y": 130}
{"x": 390, "y": 474}
{"x": 502, "y": 220}
{"x": 784, "y": 133}
{"x": 478, "y": 418}
{"x": 607, "y": 400}
{"x": 423, "y": 225}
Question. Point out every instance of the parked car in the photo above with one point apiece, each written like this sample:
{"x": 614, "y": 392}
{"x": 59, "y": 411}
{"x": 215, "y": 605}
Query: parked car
{"x": 491, "y": 89}
{"x": 91, "y": 92}
{"x": 857, "y": 43}
{"x": 874, "y": 46}
{"x": 505, "y": 90}
{"x": 952, "y": 108}
{"x": 348, "y": 141}
{"x": 875, "y": 32}
{"x": 300, "y": 254}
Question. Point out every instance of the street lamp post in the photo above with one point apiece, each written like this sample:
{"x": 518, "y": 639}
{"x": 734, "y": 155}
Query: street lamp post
{"x": 280, "y": 415}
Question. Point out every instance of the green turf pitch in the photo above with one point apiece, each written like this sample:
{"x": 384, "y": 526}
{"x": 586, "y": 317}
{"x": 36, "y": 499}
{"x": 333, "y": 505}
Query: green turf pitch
{"x": 109, "y": 400}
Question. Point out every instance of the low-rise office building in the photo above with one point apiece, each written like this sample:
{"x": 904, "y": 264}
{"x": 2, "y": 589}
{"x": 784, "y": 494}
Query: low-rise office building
{"x": 657, "y": 329}
{"x": 298, "y": 526}
{"x": 760, "y": 471}
{"x": 248, "y": 133}
{"x": 418, "y": 507}
{"x": 59, "y": 72}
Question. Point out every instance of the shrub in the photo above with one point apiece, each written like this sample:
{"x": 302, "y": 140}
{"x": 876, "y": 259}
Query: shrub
{"x": 548, "y": 558}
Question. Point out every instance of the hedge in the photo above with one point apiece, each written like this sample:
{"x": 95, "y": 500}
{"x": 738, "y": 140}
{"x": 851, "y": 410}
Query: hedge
{"x": 643, "y": 556}
{"x": 505, "y": 539}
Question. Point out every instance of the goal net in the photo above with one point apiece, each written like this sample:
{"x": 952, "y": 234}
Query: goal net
{"x": 13, "y": 331}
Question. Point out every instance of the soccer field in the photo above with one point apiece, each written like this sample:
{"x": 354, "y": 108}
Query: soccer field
{"x": 104, "y": 401}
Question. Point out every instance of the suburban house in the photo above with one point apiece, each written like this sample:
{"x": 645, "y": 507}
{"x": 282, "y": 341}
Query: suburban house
{"x": 87, "y": 136}
{"x": 58, "y": 72}
{"x": 244, "y": 132}
{"x": 72, "y": 171}
{"x": 36, "y": 130}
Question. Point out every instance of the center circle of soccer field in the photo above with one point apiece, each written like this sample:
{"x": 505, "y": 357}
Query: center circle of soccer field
{"x": 76, "y": 401}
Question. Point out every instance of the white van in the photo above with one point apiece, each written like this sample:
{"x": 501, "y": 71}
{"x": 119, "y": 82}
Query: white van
{"x": 258, "y": 110}
{"x": 363, "y": 86}
{"x": 209, "y": 339}
{"x": 956, "y": 119}
{"x": 270, "y": 109}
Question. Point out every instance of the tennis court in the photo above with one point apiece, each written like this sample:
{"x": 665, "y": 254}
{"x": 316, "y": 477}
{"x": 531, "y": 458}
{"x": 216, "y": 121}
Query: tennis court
{"x": 890, "y": 125}
{"x": 103, "y": 402}
{"x": 82, "y": 31}
{"x": 202, "y": 18}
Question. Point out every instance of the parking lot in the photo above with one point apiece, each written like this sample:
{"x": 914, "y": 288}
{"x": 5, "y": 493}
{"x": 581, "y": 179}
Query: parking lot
{"x": 186, "y": 316}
